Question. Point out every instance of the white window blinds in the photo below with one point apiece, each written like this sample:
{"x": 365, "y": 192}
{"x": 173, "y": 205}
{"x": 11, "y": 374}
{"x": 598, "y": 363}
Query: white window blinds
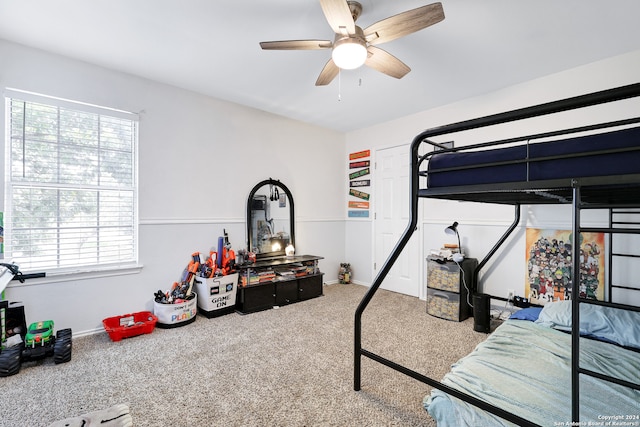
{"x": 71, "y": 185}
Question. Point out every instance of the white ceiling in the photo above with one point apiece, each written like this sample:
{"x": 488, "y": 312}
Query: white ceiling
{"x": 211, "y": 47}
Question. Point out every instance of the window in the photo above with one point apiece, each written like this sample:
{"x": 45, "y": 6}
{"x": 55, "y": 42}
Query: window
{"x": 71, "y": 185}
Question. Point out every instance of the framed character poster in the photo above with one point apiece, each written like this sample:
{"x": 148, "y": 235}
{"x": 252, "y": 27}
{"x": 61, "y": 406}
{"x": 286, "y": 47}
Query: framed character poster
{"x": 549, "y": 256}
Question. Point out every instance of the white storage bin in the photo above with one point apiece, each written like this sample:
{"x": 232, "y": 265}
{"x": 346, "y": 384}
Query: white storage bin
{"x": 217, "y": 295}
{"x": 174, "y": 315}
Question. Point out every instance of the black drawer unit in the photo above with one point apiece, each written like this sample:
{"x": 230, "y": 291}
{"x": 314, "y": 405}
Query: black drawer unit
{"x": 278, "y": 281}
{"x": 310, "y": 287}
{"x": 447, "y": 295}
{"x": 286, "y": 292}
{"x": 255, "y": 298}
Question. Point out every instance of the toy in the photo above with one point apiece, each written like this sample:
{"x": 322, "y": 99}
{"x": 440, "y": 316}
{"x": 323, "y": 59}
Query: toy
{"x": 210, "y": 266}
{"x": 228, "y": 257}
{"x": 39, "y": 342}
{"x": 344, "y": 273}
{"x": 39, "y": 333}
{"x": 228, "y": 260}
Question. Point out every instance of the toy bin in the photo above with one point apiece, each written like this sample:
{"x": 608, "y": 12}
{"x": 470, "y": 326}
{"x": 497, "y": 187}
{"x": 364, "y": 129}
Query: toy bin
{"x": 217, "y": 295}
{"x": 129, "y": 325}
{"x": 175, "y": 315}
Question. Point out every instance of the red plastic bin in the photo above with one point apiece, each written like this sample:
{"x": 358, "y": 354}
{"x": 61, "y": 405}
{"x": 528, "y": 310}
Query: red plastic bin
{"x": 130, "y": 325}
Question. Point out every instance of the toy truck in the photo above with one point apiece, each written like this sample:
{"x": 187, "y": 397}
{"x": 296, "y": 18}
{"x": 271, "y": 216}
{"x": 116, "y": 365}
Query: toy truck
{"x": 39, "y": 342}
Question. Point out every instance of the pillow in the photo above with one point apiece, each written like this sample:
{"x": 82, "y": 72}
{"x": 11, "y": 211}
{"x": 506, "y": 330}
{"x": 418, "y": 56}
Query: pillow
{"x": 606, "y": 323}
{"x": 529, "y": 313}
{"x": 556, "y": 314}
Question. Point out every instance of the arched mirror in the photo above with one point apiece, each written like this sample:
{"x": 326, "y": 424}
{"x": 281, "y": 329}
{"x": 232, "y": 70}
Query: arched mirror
{"x": 270, "y": 219}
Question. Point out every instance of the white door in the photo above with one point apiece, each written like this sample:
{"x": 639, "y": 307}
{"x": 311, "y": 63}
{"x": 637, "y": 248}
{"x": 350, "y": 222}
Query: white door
{"x": 391, "y": 218}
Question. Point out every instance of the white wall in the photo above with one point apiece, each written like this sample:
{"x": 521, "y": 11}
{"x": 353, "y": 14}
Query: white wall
{"x": 198, "y": 159}
{"x": 192, "y": 145}
{"x": 481, "y": 225}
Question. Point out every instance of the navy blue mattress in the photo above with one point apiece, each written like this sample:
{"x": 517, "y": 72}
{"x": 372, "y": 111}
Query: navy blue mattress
{"x": 580, "y": 159}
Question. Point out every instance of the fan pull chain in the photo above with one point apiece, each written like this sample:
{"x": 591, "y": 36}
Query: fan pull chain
{"x": 339, "y": 85}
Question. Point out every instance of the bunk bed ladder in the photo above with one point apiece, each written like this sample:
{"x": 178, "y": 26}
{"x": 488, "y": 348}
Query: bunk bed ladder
{"x": 621, "y": 218}
{"x": 615, "y": 227}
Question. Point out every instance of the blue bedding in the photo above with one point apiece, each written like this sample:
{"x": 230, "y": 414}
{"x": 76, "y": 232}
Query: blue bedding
{"x": 574, "y": 163}
{"x": 524, "y": 368}
{"x": 604, "y": 323}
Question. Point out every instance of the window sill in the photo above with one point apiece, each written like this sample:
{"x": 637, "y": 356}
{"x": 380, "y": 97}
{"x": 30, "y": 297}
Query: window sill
{"x": 68, "y": 276}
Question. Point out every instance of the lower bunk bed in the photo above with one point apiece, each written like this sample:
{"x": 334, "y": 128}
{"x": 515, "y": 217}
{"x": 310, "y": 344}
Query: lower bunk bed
{"x": 524, "y": 367}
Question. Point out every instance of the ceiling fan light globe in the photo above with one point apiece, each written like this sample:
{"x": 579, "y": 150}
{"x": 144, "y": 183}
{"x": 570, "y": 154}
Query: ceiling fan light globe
{"x": 349, "y": 55}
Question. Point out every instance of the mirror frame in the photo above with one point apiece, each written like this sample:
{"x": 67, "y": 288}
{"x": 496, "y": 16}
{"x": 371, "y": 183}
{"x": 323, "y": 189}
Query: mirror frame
{"x": 286, "y": 191}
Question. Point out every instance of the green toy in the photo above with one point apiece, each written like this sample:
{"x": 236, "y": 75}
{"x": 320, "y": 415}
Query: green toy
{"x": 39, "y": 334}
{"x": 39, "y": 342}
{"x": 36, "y": 343}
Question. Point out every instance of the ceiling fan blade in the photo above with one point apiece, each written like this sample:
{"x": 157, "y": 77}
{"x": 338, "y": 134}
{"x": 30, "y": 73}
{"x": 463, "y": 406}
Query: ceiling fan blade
{"x": 328, "y": 73}
{"x": 338, "y": 16}
{"x": 383, "y": 61}
{"x": 404, "y": 23}
{"x": 296, "y": 45}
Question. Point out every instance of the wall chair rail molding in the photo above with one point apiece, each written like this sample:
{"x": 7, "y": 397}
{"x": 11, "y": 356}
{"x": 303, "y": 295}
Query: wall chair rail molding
{"x": 191, "y": 221}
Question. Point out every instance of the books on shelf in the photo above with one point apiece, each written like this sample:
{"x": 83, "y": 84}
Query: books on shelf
{"x": 254, "y": 276}
{"x": 285, "y": 274}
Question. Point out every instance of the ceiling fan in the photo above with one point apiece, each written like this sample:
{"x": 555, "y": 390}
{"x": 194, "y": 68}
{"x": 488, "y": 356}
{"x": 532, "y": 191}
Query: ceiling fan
{"x": 353, "y": 46}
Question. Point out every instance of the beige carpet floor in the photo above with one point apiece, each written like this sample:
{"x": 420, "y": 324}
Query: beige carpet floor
{"x": 291, "y": 366}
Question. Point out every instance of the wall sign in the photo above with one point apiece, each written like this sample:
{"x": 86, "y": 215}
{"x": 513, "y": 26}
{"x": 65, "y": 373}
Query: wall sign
{"x": 361, "y": 164}
{"x": 359, "y": 194}
{"x": 358, "y": 214}
{"x": 358, "y": 203}
{"x": 360, "y": 183}
{"x": 358, "y": 174}
{"x": 359, "y": 154}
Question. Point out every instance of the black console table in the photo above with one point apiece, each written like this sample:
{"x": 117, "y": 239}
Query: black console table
{"x": 277, "y": 281}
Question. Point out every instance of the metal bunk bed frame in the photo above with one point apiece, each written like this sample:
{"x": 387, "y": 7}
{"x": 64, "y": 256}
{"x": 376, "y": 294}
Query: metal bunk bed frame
{"x": 611, "y": 192}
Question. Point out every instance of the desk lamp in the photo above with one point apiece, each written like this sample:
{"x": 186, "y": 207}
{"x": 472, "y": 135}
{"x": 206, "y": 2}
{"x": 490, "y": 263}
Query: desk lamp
{"x": 453, "y": 231}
